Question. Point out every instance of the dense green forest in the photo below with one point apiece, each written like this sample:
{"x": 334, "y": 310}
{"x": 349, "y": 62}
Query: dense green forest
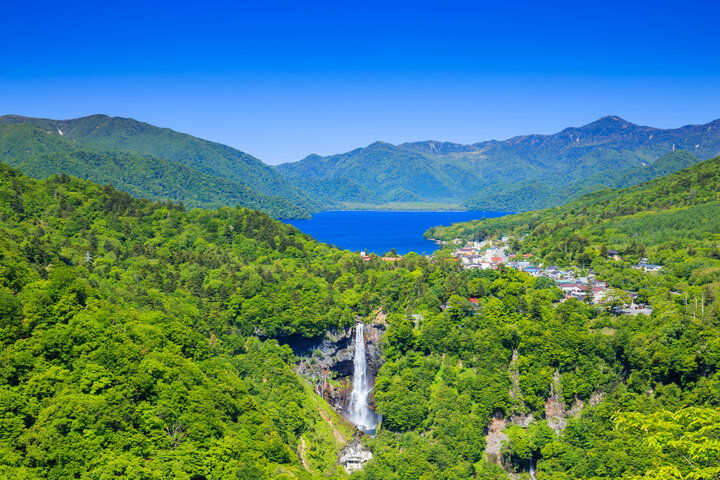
{"x": 679, "y": 208}
{"x": 139, "y": 340}
{"x": 530, "y": 195}
{"x": 378, "y": 174}
{"x": 518, "y": 174}
{"x": 147, "y": 161}
{"x": 670, "y": 358}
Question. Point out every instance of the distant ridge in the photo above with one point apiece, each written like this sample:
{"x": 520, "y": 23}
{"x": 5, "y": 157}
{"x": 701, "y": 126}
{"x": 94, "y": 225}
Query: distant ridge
{"x": 521, "y": 173}
{"x": 158, "y": 162}
{"x": 671, "y": 209}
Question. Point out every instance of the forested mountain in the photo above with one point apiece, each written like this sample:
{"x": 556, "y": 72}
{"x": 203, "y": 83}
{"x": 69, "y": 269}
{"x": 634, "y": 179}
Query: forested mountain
{"x": 379, "y": 173}
{"x": 145, "y": 160}
{"x": 138, "y": 340}
{"x": 521, "y": 173}
{"x": 679, "y": 207}
{"x": 518, "y": 174}
{"x": 536, "y": 194}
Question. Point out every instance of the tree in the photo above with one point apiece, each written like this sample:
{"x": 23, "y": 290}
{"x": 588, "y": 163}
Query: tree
{"x": 686, "y": 442}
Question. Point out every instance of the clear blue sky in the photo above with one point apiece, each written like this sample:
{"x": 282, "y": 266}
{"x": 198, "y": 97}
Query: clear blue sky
{"x": 281, "y": 80}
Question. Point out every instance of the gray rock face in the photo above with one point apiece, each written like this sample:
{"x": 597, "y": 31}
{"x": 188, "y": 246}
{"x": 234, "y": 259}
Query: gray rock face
{"x": 495, "y": 438}
{"x": 332, "y": 352}
{"x": 328, "y": 361}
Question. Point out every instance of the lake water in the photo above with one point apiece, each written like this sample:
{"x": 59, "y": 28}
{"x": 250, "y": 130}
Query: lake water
{"x": 378, "y": 231}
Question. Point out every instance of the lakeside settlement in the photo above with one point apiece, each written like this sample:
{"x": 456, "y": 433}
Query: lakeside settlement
{"x": 575, "y": 281}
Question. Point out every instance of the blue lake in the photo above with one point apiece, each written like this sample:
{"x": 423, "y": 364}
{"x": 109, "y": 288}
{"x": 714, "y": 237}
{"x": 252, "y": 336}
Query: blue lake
{"x": 380, "y": 231}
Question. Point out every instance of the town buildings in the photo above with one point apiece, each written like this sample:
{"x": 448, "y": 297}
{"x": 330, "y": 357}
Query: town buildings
{"x": 490, "y": 254}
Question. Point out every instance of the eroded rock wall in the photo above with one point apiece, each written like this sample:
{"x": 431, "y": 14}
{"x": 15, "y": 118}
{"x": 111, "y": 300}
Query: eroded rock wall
{"x": 327, "y": 361}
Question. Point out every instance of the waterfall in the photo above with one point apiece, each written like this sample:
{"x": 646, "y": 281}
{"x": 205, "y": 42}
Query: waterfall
{"x": 358, "y": 411}
{"x": 532, "y": 469}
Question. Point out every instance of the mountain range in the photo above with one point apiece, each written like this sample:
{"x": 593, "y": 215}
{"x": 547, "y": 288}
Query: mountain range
{"x": 518, "y": 174}
{"x": 522, "y": 173}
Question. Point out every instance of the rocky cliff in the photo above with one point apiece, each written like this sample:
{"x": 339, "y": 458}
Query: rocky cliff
{"x": 327, "y": 361}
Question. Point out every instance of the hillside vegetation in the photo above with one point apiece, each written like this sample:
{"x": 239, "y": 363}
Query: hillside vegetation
{"x": 138, "y": 341}
{"x": 530, "y": 195}
{"x": 675, "y": 208}
{"x": 379, "y": 173}
{"x": 519, "y": 174}
{"x": 144, "y": 160}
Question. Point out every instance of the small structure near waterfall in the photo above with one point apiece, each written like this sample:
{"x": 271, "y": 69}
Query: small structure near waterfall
{"x": 354, "y": 456}
{"x": 342, "y": 365}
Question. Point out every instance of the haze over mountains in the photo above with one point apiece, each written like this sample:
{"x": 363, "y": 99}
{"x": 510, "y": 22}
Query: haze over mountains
{"x": 521, "y": 173}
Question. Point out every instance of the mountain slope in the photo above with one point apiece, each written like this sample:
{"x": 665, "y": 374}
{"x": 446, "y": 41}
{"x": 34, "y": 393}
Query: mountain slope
{"x": 521, "y": 173}
{"x": 214, "y": 174}
{"x": 682, "y": 206}
{"x": 41, "y": 153}
{"x": 392, "y": 173}
{"x": 130, "y": 349}
{"x": 533, "y": 194}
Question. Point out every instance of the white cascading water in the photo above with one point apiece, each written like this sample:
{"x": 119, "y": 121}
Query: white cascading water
{"x": 358, "y": 411}
{"x": 532, "y": 469}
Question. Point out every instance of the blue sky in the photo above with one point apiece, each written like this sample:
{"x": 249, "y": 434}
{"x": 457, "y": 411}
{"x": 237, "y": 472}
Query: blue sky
{"x": 281, "y": 80}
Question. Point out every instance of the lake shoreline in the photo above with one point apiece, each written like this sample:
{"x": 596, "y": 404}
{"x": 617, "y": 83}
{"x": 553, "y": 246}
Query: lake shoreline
{"x": 382, "y": 231}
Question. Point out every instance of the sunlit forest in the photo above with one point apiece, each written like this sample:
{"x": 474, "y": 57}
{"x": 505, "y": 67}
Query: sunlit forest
{"x": 140, "y": 340}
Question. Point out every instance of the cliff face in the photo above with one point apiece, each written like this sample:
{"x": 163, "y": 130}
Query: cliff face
{"x": 328, "y": 361}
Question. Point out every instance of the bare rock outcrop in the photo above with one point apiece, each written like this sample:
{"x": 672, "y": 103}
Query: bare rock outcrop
{"x": 495, "y": 438}
{"x": 327, "y": 361}
{"x": 556, "y": 411}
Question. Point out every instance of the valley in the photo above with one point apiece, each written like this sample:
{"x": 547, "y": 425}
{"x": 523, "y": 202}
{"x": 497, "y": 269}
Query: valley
{"x": 161, "y": 340}
{"x": 360, "y": 241}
